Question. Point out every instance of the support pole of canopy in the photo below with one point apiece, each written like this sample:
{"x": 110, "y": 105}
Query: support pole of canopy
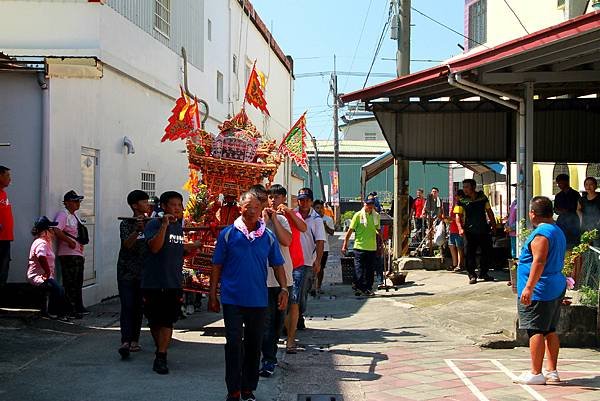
{"x": 529, "y": 121}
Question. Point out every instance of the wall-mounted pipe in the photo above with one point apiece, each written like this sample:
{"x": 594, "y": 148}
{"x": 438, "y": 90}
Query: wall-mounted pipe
{"x": 128, "y": 143}
{"x": 44, "y": 84}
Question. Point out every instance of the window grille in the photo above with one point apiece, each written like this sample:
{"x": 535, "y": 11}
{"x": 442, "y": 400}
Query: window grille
{"x": 162, "y": 16}
{"x": 477, "y": 23}
{"x": 149, "y": 182}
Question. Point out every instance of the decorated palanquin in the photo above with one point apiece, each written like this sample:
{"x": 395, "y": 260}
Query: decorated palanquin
{"x": 221, "y": 167}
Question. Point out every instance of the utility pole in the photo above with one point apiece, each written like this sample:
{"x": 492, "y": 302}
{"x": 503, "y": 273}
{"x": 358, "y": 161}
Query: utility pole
{"x": 401, "y": 166}
{"x": 320, "y": 172}
{"x": 336, "y": 130}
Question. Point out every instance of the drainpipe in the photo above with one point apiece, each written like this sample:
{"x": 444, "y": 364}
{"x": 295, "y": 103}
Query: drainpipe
{"x": 525, "y": 131}
{"x": 45, "y": 159}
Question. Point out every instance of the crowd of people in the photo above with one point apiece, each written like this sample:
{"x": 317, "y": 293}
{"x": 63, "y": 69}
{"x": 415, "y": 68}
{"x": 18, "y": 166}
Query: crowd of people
{"x": 270, "y": 256}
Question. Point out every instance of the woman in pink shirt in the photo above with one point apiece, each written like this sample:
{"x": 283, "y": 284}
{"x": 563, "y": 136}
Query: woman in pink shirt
{"x": 41, "y": 271}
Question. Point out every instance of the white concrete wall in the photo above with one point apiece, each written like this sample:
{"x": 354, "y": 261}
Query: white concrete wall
{"x": 357, "y": 129}
{"x": 502, "y": 25}
{"x": 134, "y": 97}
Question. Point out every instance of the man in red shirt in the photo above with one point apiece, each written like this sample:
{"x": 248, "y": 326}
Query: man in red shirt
{"x": 417, "y": 211}
{"x": 6, "y": 225}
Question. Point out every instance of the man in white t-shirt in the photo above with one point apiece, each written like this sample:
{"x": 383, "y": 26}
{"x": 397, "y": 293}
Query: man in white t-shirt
{"x": 313, "y": 243}
{"x": 329, "y": 226}
{"x": 280, "y": 226}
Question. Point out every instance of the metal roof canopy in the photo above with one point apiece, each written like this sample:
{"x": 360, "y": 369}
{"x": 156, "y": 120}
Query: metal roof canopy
{"x": 507, "y": 122}
{"x": 433, "y": 115}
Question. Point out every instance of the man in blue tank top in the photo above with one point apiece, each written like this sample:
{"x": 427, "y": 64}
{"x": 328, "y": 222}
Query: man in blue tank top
{"x": 541, "y": 286}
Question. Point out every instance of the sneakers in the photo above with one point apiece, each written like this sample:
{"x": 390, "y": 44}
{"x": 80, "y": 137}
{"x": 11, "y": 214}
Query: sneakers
{"x": 530, "y": 378}
{"x": 189, "y": 310}
{"x": 160, "y": 364}
{"x": 369, "y": 293}
{"x": 472, "y": 280}
{"x": 551, "y": 376}
{"x": 267, "y": 369}
{"x": 248, "y": 396}
{"x": 358, "y": 293}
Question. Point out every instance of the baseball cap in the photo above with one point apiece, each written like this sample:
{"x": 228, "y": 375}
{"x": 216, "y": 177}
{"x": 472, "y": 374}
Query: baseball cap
{"x": 305, "y": 193}
{"x": 369, "y": 200}
{"x": 43, "y": 223}
{"x": 72, "y": 196}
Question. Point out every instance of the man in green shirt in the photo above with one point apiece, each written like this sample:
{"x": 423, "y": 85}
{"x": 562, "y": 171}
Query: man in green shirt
{"x": 365, "y": 225}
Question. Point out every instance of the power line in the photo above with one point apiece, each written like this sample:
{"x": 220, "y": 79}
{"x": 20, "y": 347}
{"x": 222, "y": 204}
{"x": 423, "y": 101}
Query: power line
{"x": 516, "y": 16}
{"x": 358, "y": 44}
{"x": 343, "y": 73}
{"x": 378, "y": 47}
{"x": 447, "y": 27}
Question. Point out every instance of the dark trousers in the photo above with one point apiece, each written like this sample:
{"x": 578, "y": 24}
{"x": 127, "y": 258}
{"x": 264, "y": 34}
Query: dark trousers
{"x": 273, "y": 325}
{"x": 243, "y": 332}
{"x": 364, "y": 265}
{"x": 56, "y": 302}
{"x": 72, "y": 277}
{"x": 4, "y": 261}
{"x": 472, "y": 243}
{"x": 130, "y": 295}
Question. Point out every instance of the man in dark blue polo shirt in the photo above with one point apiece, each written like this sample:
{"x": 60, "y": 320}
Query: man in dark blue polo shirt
{"x": 242, "y": 255}
{"x": 162, "y": 274}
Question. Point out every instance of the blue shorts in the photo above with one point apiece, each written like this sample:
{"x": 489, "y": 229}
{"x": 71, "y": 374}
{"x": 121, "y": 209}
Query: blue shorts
{"x": 456, "y": 240}
{"x": 296, "y": 294}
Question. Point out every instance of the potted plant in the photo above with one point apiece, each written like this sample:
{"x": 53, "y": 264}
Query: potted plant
{"x": 573, "y": 258}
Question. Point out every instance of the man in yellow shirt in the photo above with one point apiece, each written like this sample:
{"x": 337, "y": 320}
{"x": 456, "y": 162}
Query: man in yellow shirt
{"x": 365, "y": 224}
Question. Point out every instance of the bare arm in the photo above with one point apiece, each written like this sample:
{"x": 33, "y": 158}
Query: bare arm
{"x": 130, "y": 241}
{"x": 298, "y": 222}
{"x": 459, "y": 223}
{"x": 346, "y": 239}
{"x": 539, "y": 250}
{"x": 283, "y": 294}
{"x": 491, "y": 217}
{"x": 60, "y": 234}
{"x": 328, "y": 230}
{"x": 157, "y": 242}
{"x": 283, "y": 236}
{"x": 320, "y": 249}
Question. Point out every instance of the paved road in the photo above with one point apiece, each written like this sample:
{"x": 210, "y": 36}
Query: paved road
{"x": 417, "y": 343}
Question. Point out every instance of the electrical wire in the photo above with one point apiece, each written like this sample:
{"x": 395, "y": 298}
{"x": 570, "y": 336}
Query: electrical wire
{"x": 362, "y": 30}
{"x": 378, "y": 47}
{"x": 516, "y": 16}
{"x": 447, "y": 27}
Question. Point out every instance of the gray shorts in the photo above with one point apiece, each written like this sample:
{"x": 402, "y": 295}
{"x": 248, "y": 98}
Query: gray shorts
{"x": 540, "y": 315}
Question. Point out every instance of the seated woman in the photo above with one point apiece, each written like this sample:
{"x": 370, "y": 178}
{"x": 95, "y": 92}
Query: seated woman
{"x": 41, "y": 272}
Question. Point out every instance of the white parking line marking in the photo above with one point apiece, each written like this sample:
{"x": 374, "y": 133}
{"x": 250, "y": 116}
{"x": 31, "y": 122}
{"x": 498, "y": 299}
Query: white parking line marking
{"x": 466, "y": 380}
{"x": 525, "y": 387}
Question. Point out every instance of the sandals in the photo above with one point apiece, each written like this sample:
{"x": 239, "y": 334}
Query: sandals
{"x": 135, "y": 347}
{"x": 124, "y": 350}
{"x": 291, "y": 350}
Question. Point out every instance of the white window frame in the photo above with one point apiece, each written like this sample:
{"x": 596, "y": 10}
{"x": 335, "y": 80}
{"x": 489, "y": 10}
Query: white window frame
{"x": 148, "y": 182}
{"x": 165, "y": 5}
{"x": 220, "y": 82}
{"x": 477, "y": 34}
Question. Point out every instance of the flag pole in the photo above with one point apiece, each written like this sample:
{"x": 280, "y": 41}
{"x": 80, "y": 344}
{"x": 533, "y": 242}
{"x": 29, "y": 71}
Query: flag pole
{"x": 314, "y": 142}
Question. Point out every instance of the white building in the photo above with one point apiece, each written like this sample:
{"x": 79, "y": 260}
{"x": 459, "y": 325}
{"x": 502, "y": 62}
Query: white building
{"x": 492, "y": 22}
{"x": 100, "y": 71}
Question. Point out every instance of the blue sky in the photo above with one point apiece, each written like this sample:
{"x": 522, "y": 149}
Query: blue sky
{"x": 312, "y": 31}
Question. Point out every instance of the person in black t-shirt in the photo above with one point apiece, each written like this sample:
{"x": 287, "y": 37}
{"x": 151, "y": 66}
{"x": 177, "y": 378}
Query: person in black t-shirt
{"x": 162, "y": 274}
{"x": 129, "y": 271}
{"x": 472, "y": 214}
{"x": 565, "y": 206}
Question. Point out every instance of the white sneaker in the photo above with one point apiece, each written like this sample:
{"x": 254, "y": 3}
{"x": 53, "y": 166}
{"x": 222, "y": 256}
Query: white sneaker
{"x": 530, "y": 378}
{"x": 189, "y": 310}
{"x": 551, "y": 376}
